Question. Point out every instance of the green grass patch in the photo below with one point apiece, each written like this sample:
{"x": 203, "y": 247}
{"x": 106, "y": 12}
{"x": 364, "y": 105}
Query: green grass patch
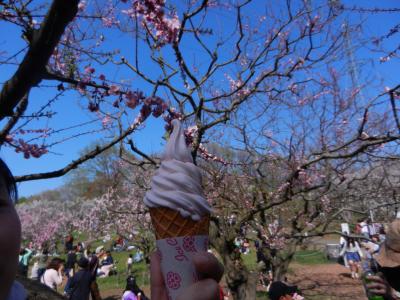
{"x": 261, "y": 295}
{"x": 310, "y": 257}
{"x": 250, "y": 260}
{"x": 118, "y": 281}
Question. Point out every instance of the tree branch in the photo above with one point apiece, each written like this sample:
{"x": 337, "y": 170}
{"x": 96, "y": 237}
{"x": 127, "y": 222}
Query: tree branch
{"x": 14, "y": 119}
{"x": 42, "y": 43}
{"x": 74, "y": 164}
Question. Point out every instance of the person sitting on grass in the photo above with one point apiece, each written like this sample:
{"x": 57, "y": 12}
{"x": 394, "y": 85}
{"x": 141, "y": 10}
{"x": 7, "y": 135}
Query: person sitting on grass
{"x": 107, "y": 263}
{"x": 53, "y": 276}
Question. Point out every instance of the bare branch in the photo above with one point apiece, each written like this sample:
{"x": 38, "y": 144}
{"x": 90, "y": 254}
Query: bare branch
{"x": 42, "y": 43}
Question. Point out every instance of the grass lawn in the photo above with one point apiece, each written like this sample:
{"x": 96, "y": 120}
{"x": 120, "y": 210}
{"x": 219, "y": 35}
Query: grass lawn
{"x": 140, "y": 271}
{"x": 115, "y": 284}
{"x": 310, "y": 257}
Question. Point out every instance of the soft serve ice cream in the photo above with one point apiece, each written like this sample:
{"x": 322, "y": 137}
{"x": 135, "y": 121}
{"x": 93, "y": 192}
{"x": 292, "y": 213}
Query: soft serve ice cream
{"x": 177, "y": 183}
{"x": 179, "y": 212}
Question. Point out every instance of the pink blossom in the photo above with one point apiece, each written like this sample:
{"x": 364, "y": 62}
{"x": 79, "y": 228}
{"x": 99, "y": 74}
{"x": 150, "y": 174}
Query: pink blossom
{"x": 133, "y": 98}
{"x": 82, "y": 5}
{"x": 107, "y": 22}
{"x": 114, "y": 90}
{"x": 89, "y": 70}
{"x": 165, "y": 27}
{"x": 106, "y": 121}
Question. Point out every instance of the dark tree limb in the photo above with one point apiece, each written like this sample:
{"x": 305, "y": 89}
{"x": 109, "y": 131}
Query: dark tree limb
{"x": 42, "y": 43}
{"x": 75, "y": 163}
{"x": 14, "y": 119}
{"x": 141, "y": 153}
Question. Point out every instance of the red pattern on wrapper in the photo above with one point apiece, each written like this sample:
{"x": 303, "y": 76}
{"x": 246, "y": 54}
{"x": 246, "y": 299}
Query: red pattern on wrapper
{"x": 173, "y": 280}
{"x": 188, "y": 244}
{"x": 176, "y": 265}
{"x": 172, "y": 242}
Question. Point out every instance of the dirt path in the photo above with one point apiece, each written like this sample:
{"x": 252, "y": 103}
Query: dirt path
{"x": 322, "y": 282}
{"x": 328, "y": 281}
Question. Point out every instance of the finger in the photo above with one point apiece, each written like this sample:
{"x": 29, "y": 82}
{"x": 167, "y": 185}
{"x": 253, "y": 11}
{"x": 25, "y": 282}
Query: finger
{"x": 208, "y": 266}
{"x": 158, "y": 290}
{"x": 374, "y": 285}
{"x": 376, "y": 279}
{"x": 377, "y": 292}
{"x": 206, "y": 289}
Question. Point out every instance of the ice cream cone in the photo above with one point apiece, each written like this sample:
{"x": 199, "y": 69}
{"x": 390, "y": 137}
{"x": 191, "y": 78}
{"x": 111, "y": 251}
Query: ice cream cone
{"x": 169, "y": 223}
{"x": 179, "y": 212}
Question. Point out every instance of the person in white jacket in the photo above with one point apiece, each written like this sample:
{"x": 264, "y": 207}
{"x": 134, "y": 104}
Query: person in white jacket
{"x": 53, "y": 276}
{"x": 353, "y": 254}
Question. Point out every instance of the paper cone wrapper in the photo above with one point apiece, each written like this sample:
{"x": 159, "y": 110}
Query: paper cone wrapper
{"x": 178, "y": 239}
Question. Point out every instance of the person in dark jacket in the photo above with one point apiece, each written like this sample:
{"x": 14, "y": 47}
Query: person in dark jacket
{"x": 70, "y": 267}
{"x": 79, "y": 286}
{"x": 69, "y": 242}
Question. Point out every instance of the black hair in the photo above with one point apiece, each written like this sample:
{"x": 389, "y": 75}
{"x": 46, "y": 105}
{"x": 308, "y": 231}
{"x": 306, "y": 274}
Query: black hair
{"x": 132, "y": 286}
{"x": 9, "y": 181}
{"x": 351, "y": 241}
{"x": 55, "y": 263}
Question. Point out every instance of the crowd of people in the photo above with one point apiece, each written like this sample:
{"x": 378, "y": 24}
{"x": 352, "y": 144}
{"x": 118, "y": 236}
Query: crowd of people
{"x": 79, "y": 271}
{"x": 373, "y": 254}
{"x": 376, "y": 250}
{"x": 358, "y": 250}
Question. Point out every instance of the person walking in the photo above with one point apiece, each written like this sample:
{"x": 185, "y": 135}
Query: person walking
{"x": 129, "y": 263}
{"x": 70, "y": 267}
{"x": 93, "y": 266}
{"x": 352, "y": 253}
{"x": 53, "y": 276}
{"x": 79, "y": 286}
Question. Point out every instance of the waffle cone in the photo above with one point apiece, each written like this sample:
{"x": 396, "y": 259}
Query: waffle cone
{"x": 169, "y": 223}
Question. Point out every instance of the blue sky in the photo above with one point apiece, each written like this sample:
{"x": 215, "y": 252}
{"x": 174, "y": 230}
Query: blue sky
{"x": 149, "y": 139}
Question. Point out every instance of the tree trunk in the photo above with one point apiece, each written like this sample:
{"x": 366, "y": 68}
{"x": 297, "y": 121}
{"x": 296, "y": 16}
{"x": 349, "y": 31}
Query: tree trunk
{"x": 280, "y": 270}
{"x": 278, "y": 261}
{"x": 240, "y": 281}
{"x": 245, "y": 290}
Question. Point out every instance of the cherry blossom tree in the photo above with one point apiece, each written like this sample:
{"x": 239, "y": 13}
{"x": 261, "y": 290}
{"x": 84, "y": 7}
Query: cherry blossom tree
{"x": 46, "y": 222}
{"x": 278, "y": 86}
